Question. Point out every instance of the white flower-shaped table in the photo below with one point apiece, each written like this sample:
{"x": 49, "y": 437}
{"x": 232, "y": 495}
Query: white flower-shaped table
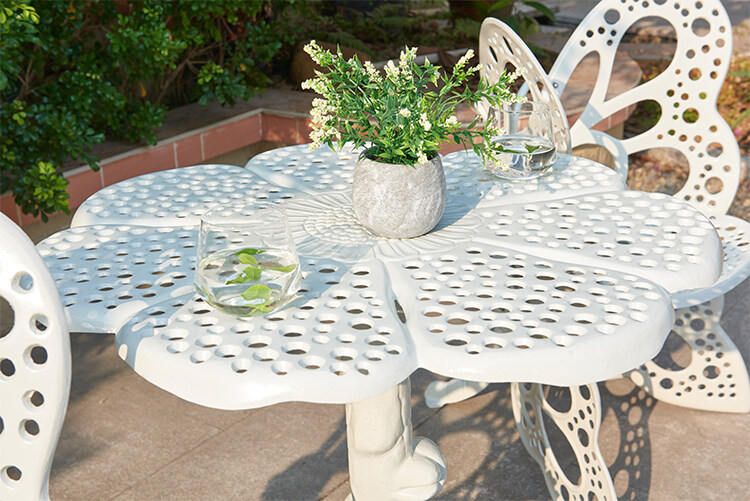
{"x": 562, "y": 280}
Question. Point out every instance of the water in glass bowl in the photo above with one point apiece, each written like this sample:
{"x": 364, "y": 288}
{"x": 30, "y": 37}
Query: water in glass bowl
{"x": 528, "y": 156}
{"x": 248, "y": 281}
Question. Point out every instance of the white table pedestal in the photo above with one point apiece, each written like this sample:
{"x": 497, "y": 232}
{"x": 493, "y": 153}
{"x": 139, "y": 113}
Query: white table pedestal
{"x": 385, "y": 461}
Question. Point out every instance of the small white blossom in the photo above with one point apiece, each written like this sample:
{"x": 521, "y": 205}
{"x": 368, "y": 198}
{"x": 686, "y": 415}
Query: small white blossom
{"x": 310, "y": 47}
{"x": 370, "y": 68}
{"x": 452, "y": 121}
{"x": 404, "y": 112}
{"x": 322, "y": 111}
{"x": 391, "y": 71}
{"x": 321, "y": 134}
{"x": 314, "y": 51}
{"x": 407, "y": 56}
{"x": 493, "y": 130}
{"x": 403, "y": 60}
{"x": 464, "y": 59}
{"x": 425, "y": 122}
{"x": 316, "y": 84}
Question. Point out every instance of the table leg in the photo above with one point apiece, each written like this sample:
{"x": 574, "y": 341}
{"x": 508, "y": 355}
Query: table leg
{"x": 580, "y": 426}
{"x": 385, "y": 461}
{"x": 440, "y": 393}
{"x": 715, "y": 379}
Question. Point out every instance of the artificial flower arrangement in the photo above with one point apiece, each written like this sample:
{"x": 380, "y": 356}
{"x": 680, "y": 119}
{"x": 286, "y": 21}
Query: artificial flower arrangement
{"x": 404, "y": 115}
{"x": 401, "y": 116}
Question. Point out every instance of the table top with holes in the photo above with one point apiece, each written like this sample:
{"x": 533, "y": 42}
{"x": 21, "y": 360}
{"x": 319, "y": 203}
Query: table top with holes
{"x": 562, "y": 280}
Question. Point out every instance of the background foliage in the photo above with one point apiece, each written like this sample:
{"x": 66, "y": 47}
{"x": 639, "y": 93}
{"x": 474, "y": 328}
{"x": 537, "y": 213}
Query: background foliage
{"x": 76, "y": 72}
{"x": 73, "y": 73}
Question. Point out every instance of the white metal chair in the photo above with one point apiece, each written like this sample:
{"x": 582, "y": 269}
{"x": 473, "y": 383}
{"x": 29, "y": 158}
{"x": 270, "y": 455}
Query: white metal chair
{"x": 35, "y": 368}
{"x": 499, "y": 46}
{"x": 716, "y": 378}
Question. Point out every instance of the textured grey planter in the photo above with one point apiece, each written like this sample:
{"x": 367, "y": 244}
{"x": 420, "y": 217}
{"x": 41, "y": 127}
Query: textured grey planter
{"x": 398, "y": 201}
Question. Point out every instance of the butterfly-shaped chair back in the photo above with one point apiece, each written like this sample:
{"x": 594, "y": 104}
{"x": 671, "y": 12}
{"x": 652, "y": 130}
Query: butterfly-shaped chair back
{"x": 498, "y": 46}
{"x": 686, "y": 91}
{"x": 34, "y": 368}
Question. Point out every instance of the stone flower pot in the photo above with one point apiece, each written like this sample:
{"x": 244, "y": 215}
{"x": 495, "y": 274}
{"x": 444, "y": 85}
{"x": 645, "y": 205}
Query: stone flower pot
{"x": 398, "y": 201}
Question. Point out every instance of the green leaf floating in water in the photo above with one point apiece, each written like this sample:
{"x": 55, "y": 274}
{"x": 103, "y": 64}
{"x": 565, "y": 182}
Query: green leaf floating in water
{"x": 253, "y": 272}
{"x": 283, "y": 269}
{"x": 245, "y": 255}
{"x": 258, "y": 292}
{"x": 249, "y": 273}
{"x": 247, "y": 259}
{"x": 249, "y": 251}
{"x": 532, "y": 149}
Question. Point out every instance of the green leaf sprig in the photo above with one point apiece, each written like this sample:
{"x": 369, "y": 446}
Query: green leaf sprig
{"x": 254, "y": 272}
{"x": 405, "y": 114}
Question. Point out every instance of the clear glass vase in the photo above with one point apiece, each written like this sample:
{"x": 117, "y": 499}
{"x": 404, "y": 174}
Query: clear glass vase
{"x": 247, "y": 262}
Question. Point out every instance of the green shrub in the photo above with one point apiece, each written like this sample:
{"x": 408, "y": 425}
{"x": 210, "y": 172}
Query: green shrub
{"x": 74, "y": 73}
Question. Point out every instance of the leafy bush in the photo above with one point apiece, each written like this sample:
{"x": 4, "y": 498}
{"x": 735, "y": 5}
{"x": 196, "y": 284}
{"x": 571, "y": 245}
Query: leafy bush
{"x": 75, "y": 73}
{"x": 468, "y": 14}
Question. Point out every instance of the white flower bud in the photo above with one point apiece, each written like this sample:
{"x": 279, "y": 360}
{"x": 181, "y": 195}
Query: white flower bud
{"x": 424, "y": 122}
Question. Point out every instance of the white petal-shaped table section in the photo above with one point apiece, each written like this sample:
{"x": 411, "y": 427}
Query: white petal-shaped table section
{"x": 648, "y": 234}
{"x": 311, "y": 171}
{"x": 106, "y": 273}
{"x": 570, "y": 176}
{"x": 482, "y": 313}
{"x": 735, "y": 239}
{"x": 176, "y": 196}
{"x": 340, "y": 341}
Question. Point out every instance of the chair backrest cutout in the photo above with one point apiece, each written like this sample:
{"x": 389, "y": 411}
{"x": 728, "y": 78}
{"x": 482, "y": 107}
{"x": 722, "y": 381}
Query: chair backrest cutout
{"x": 686, "y": 91}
